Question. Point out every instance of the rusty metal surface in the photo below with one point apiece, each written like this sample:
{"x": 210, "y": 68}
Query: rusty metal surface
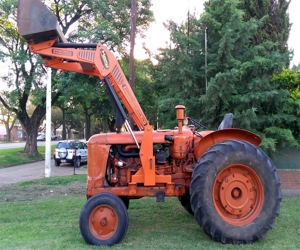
{"x": 36, "y": 22}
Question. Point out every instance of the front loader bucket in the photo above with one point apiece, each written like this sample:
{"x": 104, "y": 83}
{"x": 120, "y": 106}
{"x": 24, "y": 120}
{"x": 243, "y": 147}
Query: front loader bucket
{"x": 37, "y": 23}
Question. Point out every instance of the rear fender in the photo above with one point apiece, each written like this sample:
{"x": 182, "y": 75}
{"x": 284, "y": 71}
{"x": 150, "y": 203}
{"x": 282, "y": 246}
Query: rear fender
{"x": 225, "y": 134}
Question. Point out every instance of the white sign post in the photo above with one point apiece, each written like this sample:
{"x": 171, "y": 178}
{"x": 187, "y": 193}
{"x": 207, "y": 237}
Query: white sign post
{"x": 48, "y": 126}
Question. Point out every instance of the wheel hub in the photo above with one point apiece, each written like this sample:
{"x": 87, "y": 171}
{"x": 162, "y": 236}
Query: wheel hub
{"x": 103, "y": 222}
{"x": 236, "y": 194}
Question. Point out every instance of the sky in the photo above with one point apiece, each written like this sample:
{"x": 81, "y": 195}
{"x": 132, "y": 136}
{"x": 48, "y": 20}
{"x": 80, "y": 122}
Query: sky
{"x": 177, "y": 10}
{"x": 294, "y": 39}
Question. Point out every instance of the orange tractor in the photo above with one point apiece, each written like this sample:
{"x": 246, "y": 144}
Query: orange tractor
{"x": 221, "y": 177}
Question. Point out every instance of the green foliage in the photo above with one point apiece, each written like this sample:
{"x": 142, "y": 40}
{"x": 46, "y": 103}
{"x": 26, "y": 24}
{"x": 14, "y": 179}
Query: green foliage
{"x": 244, "y": 53}
{"x": 247, "y": 45}
{"x": 56, "y": 118}
{"x": 107, "y": 22}
{"x": 273, "y": 23}
{"x": 179, "y": 75}
{"x": 290, "y": 80}
{"x": 284, "y": 137}
{"x": 144, "y": 88}
{"x": 16, "y": 156}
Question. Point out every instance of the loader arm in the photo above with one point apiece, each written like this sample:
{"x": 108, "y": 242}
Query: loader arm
{"x": 39, "y": 27}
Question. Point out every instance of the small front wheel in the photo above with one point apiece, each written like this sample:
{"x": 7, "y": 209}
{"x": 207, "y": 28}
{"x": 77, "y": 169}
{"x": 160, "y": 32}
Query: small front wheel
{"x": 103, "y": 220}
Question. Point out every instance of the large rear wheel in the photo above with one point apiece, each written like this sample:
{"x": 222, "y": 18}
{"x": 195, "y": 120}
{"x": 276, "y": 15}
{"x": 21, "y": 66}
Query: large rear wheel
{"x": 103, "y": 220}
{"x": 235, "y": 192}
{"x": 185, "y": 202}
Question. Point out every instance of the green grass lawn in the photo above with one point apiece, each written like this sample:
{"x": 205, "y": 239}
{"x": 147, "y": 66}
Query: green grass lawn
{"x": 51, "y": 221}
{"x": 16, "y": 156}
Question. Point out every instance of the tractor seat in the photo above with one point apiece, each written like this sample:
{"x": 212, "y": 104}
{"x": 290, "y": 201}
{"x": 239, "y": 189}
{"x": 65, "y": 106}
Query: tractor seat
{"x": 227, "y": 121}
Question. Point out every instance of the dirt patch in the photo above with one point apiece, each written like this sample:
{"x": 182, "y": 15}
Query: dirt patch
{"x": 12, "y": 193}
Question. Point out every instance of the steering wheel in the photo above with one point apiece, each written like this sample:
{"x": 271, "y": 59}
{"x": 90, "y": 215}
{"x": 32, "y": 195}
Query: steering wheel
{"x": 195, "y": 123}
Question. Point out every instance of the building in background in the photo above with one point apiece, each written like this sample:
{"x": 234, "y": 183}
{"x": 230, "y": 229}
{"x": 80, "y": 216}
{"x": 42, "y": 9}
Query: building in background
{"x": 17, "y": 133}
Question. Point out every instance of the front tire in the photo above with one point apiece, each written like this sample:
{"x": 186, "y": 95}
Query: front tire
{"x": 103, "y": 220}
{"x": 235, "y": 192}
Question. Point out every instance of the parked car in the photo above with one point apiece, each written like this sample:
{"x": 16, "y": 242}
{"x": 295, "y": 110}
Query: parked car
{"x": 54, "y": 137}
{"x": 41, "y": 137}
{"x": 70, "y": 152}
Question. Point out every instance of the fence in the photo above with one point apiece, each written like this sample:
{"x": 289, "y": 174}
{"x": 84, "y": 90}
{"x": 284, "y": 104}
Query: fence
{"x": 287, "y": 159}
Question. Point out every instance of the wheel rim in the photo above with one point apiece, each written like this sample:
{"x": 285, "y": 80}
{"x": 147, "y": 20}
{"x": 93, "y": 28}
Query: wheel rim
{"x": 103, "y": 222}
{"x": 238, "y": 194}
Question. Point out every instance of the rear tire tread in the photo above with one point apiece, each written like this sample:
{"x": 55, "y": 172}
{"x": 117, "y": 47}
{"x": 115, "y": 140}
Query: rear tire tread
{"x": 212, "y": 224}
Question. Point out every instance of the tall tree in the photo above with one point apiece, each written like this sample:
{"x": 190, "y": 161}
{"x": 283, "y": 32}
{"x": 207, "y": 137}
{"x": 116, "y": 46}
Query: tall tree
{"x": 179, "y": 76}
{"x": 274, "y": 23}
{"x": 79, "y": 88}
{"x": 103, "y": 21}
{"x": 56, "y": 118}
{"x": 244, "y": 53}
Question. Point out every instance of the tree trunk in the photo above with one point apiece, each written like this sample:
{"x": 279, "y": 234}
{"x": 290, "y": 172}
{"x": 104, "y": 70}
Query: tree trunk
{"x": 9, "y": 128}
{"x": 31, "y": 142}
{"x": 31, "y": 126}
{"x": 8, "y": 135}
{"x": 87, "y": 126}
{"x": 69, "y": 134}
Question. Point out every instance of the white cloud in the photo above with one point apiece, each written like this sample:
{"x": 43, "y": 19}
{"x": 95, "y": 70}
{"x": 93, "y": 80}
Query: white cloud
{"x": 294, "y": 39}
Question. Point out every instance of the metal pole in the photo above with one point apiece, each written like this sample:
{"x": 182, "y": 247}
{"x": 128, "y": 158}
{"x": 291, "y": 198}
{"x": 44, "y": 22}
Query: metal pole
{"x": 205, "y": 59}
{"x": 131, "y": 57}
{"x": 48, "y": 126}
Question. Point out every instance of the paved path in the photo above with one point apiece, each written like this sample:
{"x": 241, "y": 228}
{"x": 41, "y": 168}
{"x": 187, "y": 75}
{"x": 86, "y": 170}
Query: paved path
{"x": 36, "y": 170}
